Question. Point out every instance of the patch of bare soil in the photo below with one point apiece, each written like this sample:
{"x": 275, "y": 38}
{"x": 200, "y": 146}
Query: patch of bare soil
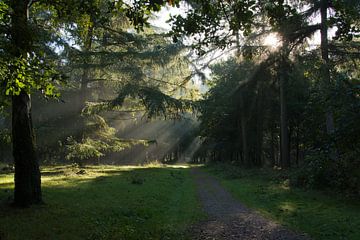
{"x": 228, "y": 219}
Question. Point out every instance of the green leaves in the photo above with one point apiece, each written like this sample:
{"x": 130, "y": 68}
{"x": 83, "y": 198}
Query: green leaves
{"x": 213, "y": 23}
{"x": 99, "y": 139}
{"x": 4, "y": 12}
{"x": 346, "y": 19}
{"x": 84, "y": 150}
{"x": 138, "y": 11}
{"x": 28, "y": 74}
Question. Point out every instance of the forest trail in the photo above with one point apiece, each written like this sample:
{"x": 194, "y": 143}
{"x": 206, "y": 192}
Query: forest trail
{"x": 228, "y": 219}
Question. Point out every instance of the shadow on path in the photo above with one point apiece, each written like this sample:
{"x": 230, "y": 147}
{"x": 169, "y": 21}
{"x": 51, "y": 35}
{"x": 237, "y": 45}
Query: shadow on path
{"x": 228, "y": 219}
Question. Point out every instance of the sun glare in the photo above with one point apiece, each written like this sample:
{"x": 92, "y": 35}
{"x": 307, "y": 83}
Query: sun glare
{"x": 272, "y": 40}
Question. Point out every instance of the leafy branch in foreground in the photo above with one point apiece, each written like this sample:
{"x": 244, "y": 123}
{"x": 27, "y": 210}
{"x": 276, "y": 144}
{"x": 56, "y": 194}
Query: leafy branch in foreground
{"x": 28, "y": 74}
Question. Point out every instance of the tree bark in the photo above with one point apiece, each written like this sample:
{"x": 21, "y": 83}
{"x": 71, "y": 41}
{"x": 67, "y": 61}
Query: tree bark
{"x": 243, "y": 117}
{"x": 297, "y": 145}
{"x": 330, "y": 126}
{"x": 27, "y": 173}
{"x": 284, "y": 131}
{"x": 86, "y": 71}
{"x": 259, "y": 126}
{"x": 243, "y": 127}
{"x": 273, "y": 148}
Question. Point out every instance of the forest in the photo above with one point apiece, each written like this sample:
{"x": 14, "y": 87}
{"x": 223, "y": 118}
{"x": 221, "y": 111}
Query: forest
{"x": 179, "y": 119}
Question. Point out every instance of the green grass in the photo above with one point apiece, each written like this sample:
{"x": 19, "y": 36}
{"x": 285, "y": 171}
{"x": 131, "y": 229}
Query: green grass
{"x": 105, "y": 203}
{"x": 322, "y": 216}
{"x": 159, "y": 202}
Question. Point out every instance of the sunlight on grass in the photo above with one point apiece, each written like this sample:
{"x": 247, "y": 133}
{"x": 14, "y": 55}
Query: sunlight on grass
{"x": 287, "y": 207}
{"x": 105, "y": 202}
{"x": 68, "y": 176}
{"x": 6, "y": 178}
{"x": 157, "y": 164}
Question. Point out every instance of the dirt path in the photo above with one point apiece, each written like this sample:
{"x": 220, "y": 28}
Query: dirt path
{"x": 229, "y": 219}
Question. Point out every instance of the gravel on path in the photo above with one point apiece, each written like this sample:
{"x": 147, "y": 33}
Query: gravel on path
{"x": 228, "y": 219}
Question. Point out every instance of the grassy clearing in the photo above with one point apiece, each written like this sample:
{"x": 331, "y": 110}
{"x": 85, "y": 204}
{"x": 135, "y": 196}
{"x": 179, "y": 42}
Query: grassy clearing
{"x": 105, "y": 203}
{"x": 322, "y": 216}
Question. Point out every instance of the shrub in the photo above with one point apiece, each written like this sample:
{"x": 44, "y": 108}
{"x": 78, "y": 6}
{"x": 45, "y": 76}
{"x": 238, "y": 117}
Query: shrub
{"x": 321, "y": 172}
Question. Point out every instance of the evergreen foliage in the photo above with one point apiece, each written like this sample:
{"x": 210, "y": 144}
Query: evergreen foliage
{"x": 273, "y": 113}
{"x": 291, "y": 105}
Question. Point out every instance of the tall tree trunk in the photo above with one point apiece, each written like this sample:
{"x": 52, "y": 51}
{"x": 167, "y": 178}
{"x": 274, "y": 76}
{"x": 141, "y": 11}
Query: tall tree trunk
{"x": 259, "y": 126}
{"x": 83, "y": 95}
{"x": 86, "y": 72}
{"x": 330, "y": 126}
{"x": 1, "y": 152}
{"x": 297, "y": 145}
{"x": 272, "y": 148}
{"x": 243, "y": 127}
{"x": 243, "y": 118}
{"x": 284, "y": 131}
{"x": 27, "y": 173}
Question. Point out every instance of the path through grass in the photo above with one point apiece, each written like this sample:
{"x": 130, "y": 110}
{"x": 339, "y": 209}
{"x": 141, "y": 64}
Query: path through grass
{"x": 322, "y": 216}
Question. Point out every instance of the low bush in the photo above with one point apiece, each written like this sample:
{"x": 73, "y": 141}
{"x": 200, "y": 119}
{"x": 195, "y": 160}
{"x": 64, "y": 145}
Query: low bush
{"x": 321, "y": 172}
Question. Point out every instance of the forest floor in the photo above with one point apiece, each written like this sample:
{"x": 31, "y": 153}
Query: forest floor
{"x": 179, "y": 202}
{"x": 231, "y": 220}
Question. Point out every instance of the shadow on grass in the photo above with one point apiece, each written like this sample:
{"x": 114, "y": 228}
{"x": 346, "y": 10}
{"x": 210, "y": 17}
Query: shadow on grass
{"x": 134, "y": 203}
{"x": 327, "y": 216}
{"x": 52, "y": 173}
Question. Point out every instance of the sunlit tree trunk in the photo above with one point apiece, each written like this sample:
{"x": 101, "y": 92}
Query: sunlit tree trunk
{"x": 27, "y": 174}
{"x": 84, "y": 85}
{"x": 86, "y": 71}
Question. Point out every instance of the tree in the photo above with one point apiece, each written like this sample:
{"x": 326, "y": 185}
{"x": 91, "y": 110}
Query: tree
{"x": 287, "y": 18}
{"x": 27, "y": 173}
{"x": 26, "y": 71}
